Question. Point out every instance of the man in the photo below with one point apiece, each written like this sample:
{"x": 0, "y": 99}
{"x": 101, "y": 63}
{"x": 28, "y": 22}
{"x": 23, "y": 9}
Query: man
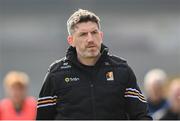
{"x": 173, "y": 97}
{"x": 154, "y": 84}
{"x": 17, "y": 105}
{"x": 89, "y": 83}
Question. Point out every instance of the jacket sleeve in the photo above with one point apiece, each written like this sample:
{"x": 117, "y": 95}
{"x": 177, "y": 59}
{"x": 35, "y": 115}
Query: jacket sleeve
{"x": 135, "y": 101}
{"x": 46, "y": 107}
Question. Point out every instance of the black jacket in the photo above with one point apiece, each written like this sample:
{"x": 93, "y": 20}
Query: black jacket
{"x": 107, "y": 90}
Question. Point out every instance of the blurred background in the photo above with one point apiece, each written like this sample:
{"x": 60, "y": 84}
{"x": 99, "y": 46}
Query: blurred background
{"x": 33, "y": 34}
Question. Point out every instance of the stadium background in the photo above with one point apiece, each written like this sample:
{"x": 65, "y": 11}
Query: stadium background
{"x": 33, "y": 34}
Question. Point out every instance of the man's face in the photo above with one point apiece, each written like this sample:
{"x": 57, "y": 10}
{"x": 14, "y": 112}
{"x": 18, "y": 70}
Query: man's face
{"x": 155, "y": 91}
{"x": 87, "y": 39}
{"x": 17, "y": 92}
{"x": 174, "y": 96}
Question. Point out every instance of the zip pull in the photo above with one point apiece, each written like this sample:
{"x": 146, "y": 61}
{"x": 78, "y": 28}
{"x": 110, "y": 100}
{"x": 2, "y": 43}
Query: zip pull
{"x": 92, "y": 85}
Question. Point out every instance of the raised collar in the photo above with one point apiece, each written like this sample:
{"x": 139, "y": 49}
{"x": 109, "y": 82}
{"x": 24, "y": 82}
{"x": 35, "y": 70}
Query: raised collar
{"x": 72, "y": 56}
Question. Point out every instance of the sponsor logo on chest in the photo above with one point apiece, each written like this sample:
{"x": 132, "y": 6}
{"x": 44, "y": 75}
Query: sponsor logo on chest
{"x": 71, "y": 79}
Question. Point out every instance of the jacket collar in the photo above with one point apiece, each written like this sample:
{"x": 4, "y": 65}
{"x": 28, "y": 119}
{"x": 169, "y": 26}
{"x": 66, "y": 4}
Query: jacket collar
{"x": 72, "y": 56}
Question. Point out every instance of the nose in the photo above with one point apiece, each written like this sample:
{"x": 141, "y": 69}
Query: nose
{"x": 90, "y": 37}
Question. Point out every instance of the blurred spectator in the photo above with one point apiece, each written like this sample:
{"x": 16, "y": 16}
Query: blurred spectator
{"x": 17, "y": 106}
{"x": 173, "y": 96}
{"x": 154, "y": 83}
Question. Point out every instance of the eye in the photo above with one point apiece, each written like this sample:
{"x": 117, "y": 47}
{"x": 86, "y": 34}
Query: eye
{"x": 83, "y": 34}
{"x": 94, "y": 32}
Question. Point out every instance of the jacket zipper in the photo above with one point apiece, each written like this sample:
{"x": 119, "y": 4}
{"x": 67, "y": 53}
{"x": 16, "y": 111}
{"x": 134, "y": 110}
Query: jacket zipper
{"x": 93, "y": 99}
{"x": 91, "y": 85}
{"x": 92, "y": 77}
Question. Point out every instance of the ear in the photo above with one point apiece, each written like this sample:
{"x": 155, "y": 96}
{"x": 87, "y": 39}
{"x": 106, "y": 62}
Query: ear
{"x": 102, "y": 35}
{"x": 70, "y": 40}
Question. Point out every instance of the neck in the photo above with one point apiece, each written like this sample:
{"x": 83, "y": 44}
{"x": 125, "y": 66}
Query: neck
{"x": 17, "y": 101}
{"x": 18, "y": 105}
{"x": 88, "y": 61}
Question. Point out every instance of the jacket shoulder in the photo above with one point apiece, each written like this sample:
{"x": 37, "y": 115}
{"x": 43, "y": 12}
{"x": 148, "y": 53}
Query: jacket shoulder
{"x": 56, "y": 65}
{"x": 115, "y": 60}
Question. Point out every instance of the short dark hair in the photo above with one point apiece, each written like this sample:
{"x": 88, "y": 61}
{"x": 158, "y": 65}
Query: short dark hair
{"x": 79, "y": 17}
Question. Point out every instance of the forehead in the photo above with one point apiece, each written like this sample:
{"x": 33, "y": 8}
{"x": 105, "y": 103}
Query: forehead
{"x": 18, "y": 85}
{"x": 86, "y": 26}
{"x": 175, "y": 86}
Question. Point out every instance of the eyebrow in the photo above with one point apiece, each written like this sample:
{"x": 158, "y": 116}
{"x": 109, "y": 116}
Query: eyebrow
{"x": 86, "y": 31}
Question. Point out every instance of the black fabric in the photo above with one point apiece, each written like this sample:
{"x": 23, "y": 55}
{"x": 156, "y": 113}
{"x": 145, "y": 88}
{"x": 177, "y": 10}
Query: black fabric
{"x": 88, "y": 92}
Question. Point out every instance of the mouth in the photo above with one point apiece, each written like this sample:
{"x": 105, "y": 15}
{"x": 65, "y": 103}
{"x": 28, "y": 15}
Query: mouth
{"x": 91, "y": 46}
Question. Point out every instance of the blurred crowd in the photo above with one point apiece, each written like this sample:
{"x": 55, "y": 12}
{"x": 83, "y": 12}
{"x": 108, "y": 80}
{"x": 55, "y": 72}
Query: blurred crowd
{"x": 162, "y": 94}
{"x": 17, "y": 105}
